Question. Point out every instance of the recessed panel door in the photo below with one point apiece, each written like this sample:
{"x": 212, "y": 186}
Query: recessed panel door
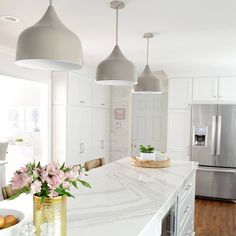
{"x": 149, "y": 123}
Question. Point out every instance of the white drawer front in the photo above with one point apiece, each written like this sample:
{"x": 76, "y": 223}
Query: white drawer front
{"x": 187, "y": 230}
{"x": 188, "y": 188}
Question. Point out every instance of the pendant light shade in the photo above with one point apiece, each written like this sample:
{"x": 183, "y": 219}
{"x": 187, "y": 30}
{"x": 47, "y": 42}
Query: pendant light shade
{"x": 49, "y": 45}
{"x": 147, "y": 81}
{"x": 116, "y": 69}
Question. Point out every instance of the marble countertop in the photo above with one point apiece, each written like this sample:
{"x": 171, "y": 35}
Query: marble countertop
{"x": 2, "y": 163}
{"x": 123, "y": 200}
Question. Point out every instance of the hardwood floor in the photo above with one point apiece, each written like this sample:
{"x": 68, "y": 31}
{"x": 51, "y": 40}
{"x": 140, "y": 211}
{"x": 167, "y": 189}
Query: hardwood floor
{"x": 213, "y": 218}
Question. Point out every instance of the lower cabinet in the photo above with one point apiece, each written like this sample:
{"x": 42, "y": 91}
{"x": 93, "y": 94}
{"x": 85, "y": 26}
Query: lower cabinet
{"x": 87, "y": 134}
{"x": 79, "y": 135}
{"x": 186, "y": 205}
{"x": 101, "y": 134}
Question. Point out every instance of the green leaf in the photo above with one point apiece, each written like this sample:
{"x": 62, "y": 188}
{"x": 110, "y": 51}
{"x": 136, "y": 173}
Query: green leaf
{"x": 68, "y": 194}
{"x": 15, "y": 196}
{"x": 63, "y": 166}
{"x": 38, "y": 165}
{"x": 84, "y": 183}
{"x": 74, "y": 184}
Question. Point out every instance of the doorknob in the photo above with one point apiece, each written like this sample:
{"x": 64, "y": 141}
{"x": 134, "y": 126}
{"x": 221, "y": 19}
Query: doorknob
{"x": 133, "y": 145}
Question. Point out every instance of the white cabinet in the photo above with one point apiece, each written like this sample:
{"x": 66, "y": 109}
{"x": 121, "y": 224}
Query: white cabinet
{"x": 101, "y": 95}
{"x": 79, "y": 89}
{"x": 186, "y": 207}
{"x": 178, "y": 134}
{"x": 79, "y": 134}
{"x": 205, "y": 89}
{"x": 180, "y": 93}
{"x": 227, "y": 89}
{"x": 81, "y": 118}
{"x": 101, "y": 136}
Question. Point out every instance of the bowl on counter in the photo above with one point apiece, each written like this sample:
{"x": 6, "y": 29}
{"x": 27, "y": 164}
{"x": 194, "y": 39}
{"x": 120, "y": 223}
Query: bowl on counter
{"x": 15, "y": 229}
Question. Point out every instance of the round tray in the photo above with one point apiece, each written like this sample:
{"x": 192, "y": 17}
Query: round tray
{"x": 150, "y": 163}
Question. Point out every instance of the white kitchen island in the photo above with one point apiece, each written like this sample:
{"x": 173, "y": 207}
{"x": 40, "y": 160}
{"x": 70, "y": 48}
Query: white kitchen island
{"x": 128, "y": 201}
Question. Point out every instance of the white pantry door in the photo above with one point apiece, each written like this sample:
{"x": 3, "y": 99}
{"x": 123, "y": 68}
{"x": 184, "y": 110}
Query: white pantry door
{"x": 149, "y": 122}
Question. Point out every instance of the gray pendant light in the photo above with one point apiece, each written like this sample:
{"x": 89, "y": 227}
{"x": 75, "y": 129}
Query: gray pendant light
{"x": 49, "y": 45}
{"x": 147, "y": 81}
{"x": 116, "y": 69}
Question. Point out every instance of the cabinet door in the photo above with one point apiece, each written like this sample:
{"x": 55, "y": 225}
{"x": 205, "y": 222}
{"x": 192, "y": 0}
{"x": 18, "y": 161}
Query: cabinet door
{"x": 79, "y": 89}
{"x": 78, "y": 135}
{"x": 227, "y": 89}
{"x": 180, "y": 93}
{"x": 205, "y": 89}
{"x": 101, "y": 95}
{"x": 101, "y": 133}
{"x": 178, "y": 137}
{"x": 59, "y": 133}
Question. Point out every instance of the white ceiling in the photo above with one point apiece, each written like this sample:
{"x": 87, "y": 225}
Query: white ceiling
{"x": 195, "y": 35}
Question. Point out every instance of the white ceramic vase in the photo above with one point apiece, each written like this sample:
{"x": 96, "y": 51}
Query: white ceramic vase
{"x": 148, "y": 156}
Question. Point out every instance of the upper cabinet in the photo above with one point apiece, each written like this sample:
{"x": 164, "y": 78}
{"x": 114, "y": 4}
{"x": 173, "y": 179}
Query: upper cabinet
{"x": 180, "y": 93}
{"x": 227, "y": 89}
{"x": 80, "y": 89}
{"x": 214, "y": 90}
{"x": 205, "y": 89}
{"x": 101, "y": 95}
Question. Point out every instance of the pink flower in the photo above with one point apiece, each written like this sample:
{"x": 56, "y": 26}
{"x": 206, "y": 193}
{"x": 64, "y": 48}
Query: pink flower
{"x": 66, "y": 185}
{"x": 20, "y": 180}
{"x": 35, "y": 187}
{"x": 53, "y": 194}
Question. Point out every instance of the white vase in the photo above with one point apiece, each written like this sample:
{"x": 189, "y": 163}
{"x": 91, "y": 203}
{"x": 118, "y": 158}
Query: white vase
{"x": 148, "y": 156}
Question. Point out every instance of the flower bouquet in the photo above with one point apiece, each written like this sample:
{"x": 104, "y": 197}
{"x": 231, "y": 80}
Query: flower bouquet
{"x": 50, "y": 186}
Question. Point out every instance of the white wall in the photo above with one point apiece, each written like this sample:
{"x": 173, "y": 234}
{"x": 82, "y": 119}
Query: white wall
{"x": 121, "y": 129}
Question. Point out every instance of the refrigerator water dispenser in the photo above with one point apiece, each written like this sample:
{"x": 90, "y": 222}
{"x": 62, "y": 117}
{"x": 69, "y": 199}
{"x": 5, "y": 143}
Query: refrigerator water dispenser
{"x": 200, "y": 136}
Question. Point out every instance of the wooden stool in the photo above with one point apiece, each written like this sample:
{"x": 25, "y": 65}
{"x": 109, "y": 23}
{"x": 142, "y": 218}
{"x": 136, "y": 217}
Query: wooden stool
{"x": 8, "y": 192}
{"x": 94, "y": 163}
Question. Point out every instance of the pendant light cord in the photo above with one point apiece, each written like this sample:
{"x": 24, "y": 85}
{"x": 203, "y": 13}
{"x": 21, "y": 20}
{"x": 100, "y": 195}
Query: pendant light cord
{"x": 50, "y": 2}
{"x": 147, "y": 51}
{"x": 117, "y": 25}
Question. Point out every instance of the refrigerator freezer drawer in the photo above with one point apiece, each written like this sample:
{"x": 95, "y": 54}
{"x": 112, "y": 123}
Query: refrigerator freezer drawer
{"x": 216, "y": 183}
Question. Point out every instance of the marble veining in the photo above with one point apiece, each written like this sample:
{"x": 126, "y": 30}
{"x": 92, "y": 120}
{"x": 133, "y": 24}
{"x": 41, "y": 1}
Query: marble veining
{"x": 124, "y": 198}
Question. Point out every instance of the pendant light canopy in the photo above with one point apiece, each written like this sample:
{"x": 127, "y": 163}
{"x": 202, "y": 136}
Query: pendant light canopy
{"x": 147, "y": 81}
{"x": 116, "y": 69}
{"x": 49, "y": 45}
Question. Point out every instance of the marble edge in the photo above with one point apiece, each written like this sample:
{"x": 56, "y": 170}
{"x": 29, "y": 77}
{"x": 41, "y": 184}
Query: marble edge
{"x": 158, "y": 216}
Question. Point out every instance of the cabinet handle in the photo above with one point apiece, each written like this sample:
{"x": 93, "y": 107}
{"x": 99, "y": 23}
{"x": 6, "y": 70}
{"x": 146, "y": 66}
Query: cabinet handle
{"x": 102, "y": 145}
{"x": 82, "y": 101}
{"x": 187, "y": 209}
{"x": 81, "y": 147}
{"x": 188, "y": 233}
{"x": 102, "y": 104}
{"x": 188, "y": 187}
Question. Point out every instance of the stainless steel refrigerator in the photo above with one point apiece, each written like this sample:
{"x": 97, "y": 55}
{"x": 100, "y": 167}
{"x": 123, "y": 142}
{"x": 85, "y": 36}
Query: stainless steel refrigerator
{"x": 214, "y": 147}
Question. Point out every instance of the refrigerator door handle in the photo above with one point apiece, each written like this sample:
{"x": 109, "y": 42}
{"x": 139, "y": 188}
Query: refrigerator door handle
{"x": 213, "y": 135}
{"x": 217, "y": 170}
{"x": 218, "y": 136}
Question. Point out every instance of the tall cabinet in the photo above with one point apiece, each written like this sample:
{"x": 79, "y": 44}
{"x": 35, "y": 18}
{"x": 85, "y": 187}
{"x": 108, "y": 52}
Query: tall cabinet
{"x": 81, "y": 117}
{"x": 179, "y": 116}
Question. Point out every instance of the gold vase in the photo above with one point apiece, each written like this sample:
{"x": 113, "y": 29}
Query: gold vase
{"x": 51, "y": 210}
